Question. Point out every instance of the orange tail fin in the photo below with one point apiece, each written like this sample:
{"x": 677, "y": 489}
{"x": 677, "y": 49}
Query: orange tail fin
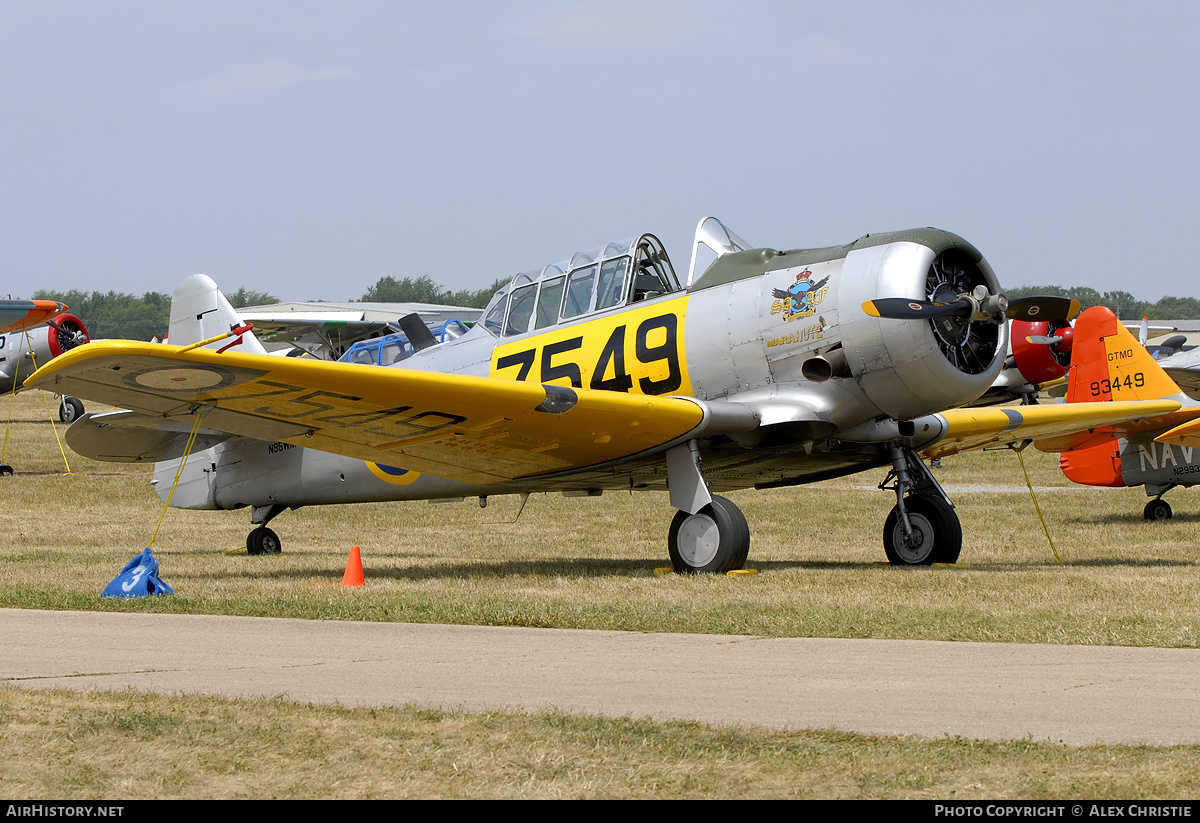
{"x": 1108, "y": 363}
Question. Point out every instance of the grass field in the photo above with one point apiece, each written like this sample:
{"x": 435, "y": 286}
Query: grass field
{"x": 590, "y": 563}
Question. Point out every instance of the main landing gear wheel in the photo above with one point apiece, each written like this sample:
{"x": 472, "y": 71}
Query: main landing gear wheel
{"x": 263, "y": 541}
{"x": 70, "y": 410}
{"x": 1157, "y": 509}
{"x": 714, "y": 540}
{"x": 936, "y": 533}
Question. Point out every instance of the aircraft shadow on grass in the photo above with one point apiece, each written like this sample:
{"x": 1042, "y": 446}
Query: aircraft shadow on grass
{"x": 1131, "y": 519}
{"x": 557, "y": 567}
{"x": 1115, "y": 562}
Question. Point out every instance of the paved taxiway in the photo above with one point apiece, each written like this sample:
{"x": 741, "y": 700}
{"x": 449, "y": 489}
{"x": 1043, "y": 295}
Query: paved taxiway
{"x": 1074, "y": 694}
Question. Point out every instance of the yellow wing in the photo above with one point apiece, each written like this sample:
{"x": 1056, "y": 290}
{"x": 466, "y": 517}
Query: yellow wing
{"x": 1052, "y": 427}
{"x": 475, "y": 429}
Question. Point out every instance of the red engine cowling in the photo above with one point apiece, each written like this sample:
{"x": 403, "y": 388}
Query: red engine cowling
{"x": 1040, "y": 362}
{"x": 64, "y": 333}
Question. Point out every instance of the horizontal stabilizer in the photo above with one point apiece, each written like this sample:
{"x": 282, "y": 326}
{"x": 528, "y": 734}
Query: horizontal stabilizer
{"x": 1185, "y": 434}
{"x": 131, "y": 437}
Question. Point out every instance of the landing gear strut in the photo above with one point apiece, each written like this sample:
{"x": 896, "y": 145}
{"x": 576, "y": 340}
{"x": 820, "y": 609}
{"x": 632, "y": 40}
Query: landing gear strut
{"x": 709, "y": 534}
{"x": 922, "y": 528}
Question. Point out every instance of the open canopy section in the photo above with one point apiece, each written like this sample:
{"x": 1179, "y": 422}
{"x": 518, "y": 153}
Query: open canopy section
{"x": 623, "y": 272}
{"x": 713, "y": 240}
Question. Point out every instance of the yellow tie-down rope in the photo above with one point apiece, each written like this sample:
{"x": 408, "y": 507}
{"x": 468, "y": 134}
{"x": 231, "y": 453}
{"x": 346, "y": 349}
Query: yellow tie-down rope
{"x": 1033, "y": 496}
{"x": 187, "y": 450}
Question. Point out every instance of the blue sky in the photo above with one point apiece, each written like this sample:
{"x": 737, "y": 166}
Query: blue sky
{"x": 308, "y": 149}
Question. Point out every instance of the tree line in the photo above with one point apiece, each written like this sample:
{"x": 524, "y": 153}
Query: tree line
{"x": 1123, "y": 304}
{"x": 425, "y": 290}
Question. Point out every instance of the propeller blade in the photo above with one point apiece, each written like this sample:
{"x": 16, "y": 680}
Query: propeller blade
{"x": 901, "y": 308}
{"x": 1042, "y": 340}
{"x": 1042, "y": 308}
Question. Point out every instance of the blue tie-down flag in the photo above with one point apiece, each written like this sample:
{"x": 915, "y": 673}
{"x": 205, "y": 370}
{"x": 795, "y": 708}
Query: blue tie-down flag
{"x": 138, "y": 579}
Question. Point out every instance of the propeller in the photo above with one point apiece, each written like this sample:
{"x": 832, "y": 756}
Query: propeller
{"x": 978, "y": 305}
{"x": 964, "y": 314}
{"x": 1061, "y": 339}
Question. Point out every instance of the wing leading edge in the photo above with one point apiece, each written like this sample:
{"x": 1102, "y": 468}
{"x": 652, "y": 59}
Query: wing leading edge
{"x": 474, "y": 429}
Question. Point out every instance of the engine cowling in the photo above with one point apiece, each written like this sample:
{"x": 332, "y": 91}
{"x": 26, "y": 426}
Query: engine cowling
{"x": 64, "y": 333}
{"x": 1040, "y": 362}
{"x": 908, "y": 368}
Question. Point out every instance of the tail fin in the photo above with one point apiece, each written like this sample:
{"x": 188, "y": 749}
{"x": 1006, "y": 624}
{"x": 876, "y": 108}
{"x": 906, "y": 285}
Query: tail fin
{"x": 199, "y": 311}
{"x": 1107, "y": 363}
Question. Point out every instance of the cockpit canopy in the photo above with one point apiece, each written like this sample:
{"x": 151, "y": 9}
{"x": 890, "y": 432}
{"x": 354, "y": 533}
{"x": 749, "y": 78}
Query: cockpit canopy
{"x": 620, "y": 273}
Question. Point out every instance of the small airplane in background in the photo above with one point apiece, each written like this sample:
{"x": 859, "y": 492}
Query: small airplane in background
{"x": 763, "y": 369}
{"x": 1159, "y": 453}
{"x": 24, "y": 345}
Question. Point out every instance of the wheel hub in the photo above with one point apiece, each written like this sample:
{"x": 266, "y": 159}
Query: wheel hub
{"x": 918, "y": 543}
{"x": 699, "y": 540}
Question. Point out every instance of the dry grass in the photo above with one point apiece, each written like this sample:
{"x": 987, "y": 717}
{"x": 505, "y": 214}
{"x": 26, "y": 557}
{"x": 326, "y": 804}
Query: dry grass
{"x": 64, "y": 744}
{"x": 582, "y": 563}
{"x": 589, "y": 563}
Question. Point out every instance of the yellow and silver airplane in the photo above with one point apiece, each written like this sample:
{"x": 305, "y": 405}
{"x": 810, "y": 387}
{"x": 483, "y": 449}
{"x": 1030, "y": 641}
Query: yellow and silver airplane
{"x": 606, "y": 371}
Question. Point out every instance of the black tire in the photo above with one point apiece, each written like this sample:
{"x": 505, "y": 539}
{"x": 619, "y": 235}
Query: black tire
{"x": 70, "y": 410}
{"x": 714, "y": 540}
{"x": 937, "y": 533}
{"x": 6, "y": 470}
{"x": 1157, "y": 509}
{"x": 263, "y": 541}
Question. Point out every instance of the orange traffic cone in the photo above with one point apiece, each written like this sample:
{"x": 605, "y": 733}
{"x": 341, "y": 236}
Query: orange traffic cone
{"x": 354, "y": 570}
